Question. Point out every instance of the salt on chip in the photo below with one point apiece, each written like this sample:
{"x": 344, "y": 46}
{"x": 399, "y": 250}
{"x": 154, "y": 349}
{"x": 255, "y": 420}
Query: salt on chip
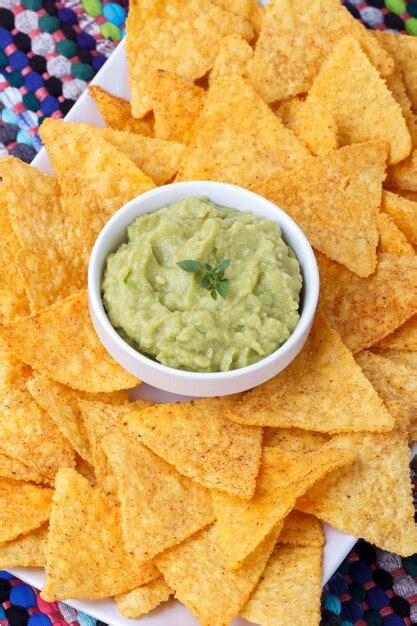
{"x": 23, "y": 508}
{"x": 26, "y": 550}
{"x": 96, "y": 179}
{"x": 404, "y": 338}
{"x": 283, "y": 477}
{"x": 182, "y": 37}
{"x": 294, "y": 439}
{"x": 143, "y": 599}
{"x": 323, "y": 389}
{"x": 238, "y": 139}
{"x": 335, "y": 199}
{"x": 201, "y": 443}
{"x": 361, "y": 500}
{"x": 159, "y": 507}
{"x": 301, "y": 529}
{"x": 391, "y": 239}
{"x": 403, "y": 212}
{"x": 362, "y": 105}
{"x": 315, "y": 124}
{"x": 234, "y": 56}
{"x": 86, "y": 557}
{"x": 294, "y": 40}
{"x": 60, "y": 343}
{"x": 11, "y": 467}
{"x": 176, "y": 104}
{"x": 117, "y": 113}
{"x": 202, "y": 581}
{"x": 365, "y": 310}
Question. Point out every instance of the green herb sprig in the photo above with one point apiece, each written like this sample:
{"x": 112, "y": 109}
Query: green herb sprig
{"x": 212, "y": 278}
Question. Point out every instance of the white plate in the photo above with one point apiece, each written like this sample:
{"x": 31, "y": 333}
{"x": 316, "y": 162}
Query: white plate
{"x": 113, "y": 78}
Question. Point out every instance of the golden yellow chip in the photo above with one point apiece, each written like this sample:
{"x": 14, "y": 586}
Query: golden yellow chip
{"x": 201, "y": 580}
{"x": 143, "y": 599}
{"x": 86, "y": 557}
{"x": 396, "y": 86}
{"x": 238, "y": 139}
{"x": 411, "y": 195}
{"x": 201, "y": 443}
{"x": 234, "y": 56}
{"x": 365, "y": 310}
{"x": 176, "y": 104}
{"x": 25, "y": 551}
{"x": 101, "y": 419}
{"x": 403, "y": 175}
{"x": 315, "y": 124}
{"x": 288, "y": 110}
{"x": 403, "y": 50}
{"x": 159, "y": 507}
{"x": 96, "y": 179}
{"x": 296, "y": 37}
{"x": 322, "y": 389}
{"x": 404, "y": 338}
{"x": 290, "y": 589}
{"x": 360, "y": 500}
{"x": 391, "y": 239}
{"x": 301, "y": 530}
{"x": 23, "y": 508}
{"x": 117, "y": 114}
{"x": 403, "y": 212}
{"x": 403, "y": 357}
{"x": 60, "y": 343}
{"x": 335, "y": 203}
{"x": 11, "y": 467}
{"x": 360, "y": 101}
{"x": 182, "y": 37}
{"x": 294, "y": 439}
{"x": 13, "y": 304}
{"x": 283, "y": 477}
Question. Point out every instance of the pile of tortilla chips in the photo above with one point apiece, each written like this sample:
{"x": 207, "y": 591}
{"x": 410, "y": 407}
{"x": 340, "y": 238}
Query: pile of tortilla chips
{"x": 218, "y": 501}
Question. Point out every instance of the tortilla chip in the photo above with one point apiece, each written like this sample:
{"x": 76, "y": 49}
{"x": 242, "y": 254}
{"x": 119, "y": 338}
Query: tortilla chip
{"x": 404, "y": 338}
{"x": 283, "y": 477}
{"x": 23, "y": 508}
{"x": 117, "y": 114}
{"x": 238, "y": 139}
{"x": 198, "y": 573}
{"x": 294, "y": 439}
{"x": 365, "y": 310}
{"x": 201, "y": 443}
{"x": 159, "y": 507}
{"x": 234, "y": 56}
{"x": 335, "y": 199}
{"x": 315, "y": 124}
{"x": 288, "y": 110}
{"x": 360, "y": 101}
{"x": 361, "y": 499}
{"x": 86, "y": 469}
{"x": 403, "y": 212}
{"x": 301, "y": 530}
{"x": 96, "y": 179}
{"x": 176, "y": 104}
{"x": 15, "y": 469}
{"x": 322, "y": 389}
{"x": 143, "y": 599}
{"x": 396, "y": 385}
{"x": 182, "y": 37}
{"x": 25, "y": 551}
{"x": 296, "y": 37}
{"x": 396, "y": 86}
{"x": 411, "y": 195}
{"x": 60, "y": 343}
{"x": 290, "y": 589}
{"x": 403, "y": 176}
{"x": 101, "y": 419}
{"x": 391, "y": 239}
{"x": 403, "y": 357}
{"x": 86, "y": 557}
{"x": 403, "y": 49}
{"x": 13, "y": 305}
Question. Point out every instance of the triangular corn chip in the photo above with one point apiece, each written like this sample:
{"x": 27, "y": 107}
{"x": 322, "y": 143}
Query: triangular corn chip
{"x": 23, "y": 508}
{"x": 359, "y": 99}
{"x": 322, "y": 389}
{"x": 11, "y": 467}
{"x": 294, "y": 439}
{"x": 159, "y": 507}
{"x": 182, "y": 36}
{"x": 60, "y": 343}
{"x": 296, "y": 37}
{"x": 364, "y": 310}
{"x": 300, "y": 529}
{"x": 283, "y": 477}
{"x": 396, "y": 86}
{"x": 403, "y": 212}
{"x": 335, "y": 199}
{"x": 404, "y": 338}
{"x": 403, "y": 49}
{"x": 202, "y": 581}
{"x": 238, "y": 139}
{"x": 234, "y": 56}
{"x": 117, "y": 114}
{"x": 361, "y": 499}
{"x": 403, "y": 175}
{"x": 25, "y": 551}
{"x": 391, "y": 239}
{"x": 96, "y": 179}
{"x": 251, "y": 10}
{"x": 201, "y": 443}
{"x": 403, "y": 357}
{"x": 143, "y": 599}
{"x": 86, "y": 557}
{"x": 315, "y": 124}
{"x": 287, "y": 110}
{"x": 176, "y": 104}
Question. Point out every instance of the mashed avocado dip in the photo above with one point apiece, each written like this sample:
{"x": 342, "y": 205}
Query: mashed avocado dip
{"x": 164, "y": 312}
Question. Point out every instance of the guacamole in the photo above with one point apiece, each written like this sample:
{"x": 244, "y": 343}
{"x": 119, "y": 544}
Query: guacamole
{"x": 166, "y": 313}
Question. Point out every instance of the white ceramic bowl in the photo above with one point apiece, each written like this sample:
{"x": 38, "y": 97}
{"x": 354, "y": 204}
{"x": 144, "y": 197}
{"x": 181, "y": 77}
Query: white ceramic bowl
{"x": 196, "y": 383}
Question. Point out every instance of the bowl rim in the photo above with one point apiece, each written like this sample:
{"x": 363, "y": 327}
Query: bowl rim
{"x": 98, "y": 258}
